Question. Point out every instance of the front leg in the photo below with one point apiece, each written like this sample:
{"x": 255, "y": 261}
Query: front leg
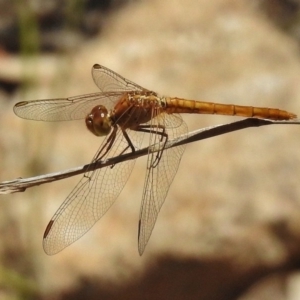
{"x": 107, "y": 146}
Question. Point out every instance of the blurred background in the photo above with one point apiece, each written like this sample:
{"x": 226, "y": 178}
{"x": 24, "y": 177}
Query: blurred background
{"x": 230, "y": 226}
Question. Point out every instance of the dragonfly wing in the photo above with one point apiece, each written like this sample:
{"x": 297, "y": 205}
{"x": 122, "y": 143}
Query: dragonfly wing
{"x": 112, "y": 87}
{"x": 107, "y": 80}
{"x": 159, "y": 176}
{"x": 90, "y": 199}
{"x": 64, "y": 109}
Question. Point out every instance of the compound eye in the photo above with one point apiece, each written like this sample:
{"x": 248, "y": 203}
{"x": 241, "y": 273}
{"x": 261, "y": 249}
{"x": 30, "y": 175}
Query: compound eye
{"x": 98, "y": 121}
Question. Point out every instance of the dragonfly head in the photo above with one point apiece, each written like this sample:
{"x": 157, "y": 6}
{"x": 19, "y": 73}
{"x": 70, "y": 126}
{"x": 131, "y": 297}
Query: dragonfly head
{"x": 98, "y": 121}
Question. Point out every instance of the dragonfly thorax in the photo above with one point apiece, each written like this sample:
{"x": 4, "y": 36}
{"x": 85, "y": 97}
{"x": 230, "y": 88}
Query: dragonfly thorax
{"x": 134, "y": 109}
{"x": 98, "y": 121}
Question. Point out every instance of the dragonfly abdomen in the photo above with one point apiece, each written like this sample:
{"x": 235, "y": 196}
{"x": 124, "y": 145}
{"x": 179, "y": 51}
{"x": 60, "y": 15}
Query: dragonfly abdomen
{"x": 178, "y": 105}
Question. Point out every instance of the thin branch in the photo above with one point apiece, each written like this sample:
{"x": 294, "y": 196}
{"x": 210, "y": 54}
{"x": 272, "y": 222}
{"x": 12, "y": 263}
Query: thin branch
{"x": 20, "y": 184}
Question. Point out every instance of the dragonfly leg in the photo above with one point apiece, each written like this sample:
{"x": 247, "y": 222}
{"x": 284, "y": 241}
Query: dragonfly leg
{"x": 130, "y": 145}
{"x": 163, "y": 138}
{"x": 106, "y": 147}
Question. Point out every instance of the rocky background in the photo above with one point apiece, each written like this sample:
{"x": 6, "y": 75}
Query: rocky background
{"x": 230, "y": 226}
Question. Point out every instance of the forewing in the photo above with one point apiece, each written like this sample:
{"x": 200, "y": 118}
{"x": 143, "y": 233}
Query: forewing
{"x": 64, "y": 109}
{"x": 107, "y": 80}
{"x": 159, "y": 177}
{"x": 112, "y": 87}
{"x": 90, "y": 199}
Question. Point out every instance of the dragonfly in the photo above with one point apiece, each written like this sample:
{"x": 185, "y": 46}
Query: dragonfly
{"x": 124, "y": 113}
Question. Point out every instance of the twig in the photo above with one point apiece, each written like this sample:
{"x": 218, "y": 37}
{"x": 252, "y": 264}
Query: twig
{"x": 20, "y": 184}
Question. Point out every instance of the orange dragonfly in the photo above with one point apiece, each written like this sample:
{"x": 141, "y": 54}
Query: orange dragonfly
{"x": 124, "y": 112}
